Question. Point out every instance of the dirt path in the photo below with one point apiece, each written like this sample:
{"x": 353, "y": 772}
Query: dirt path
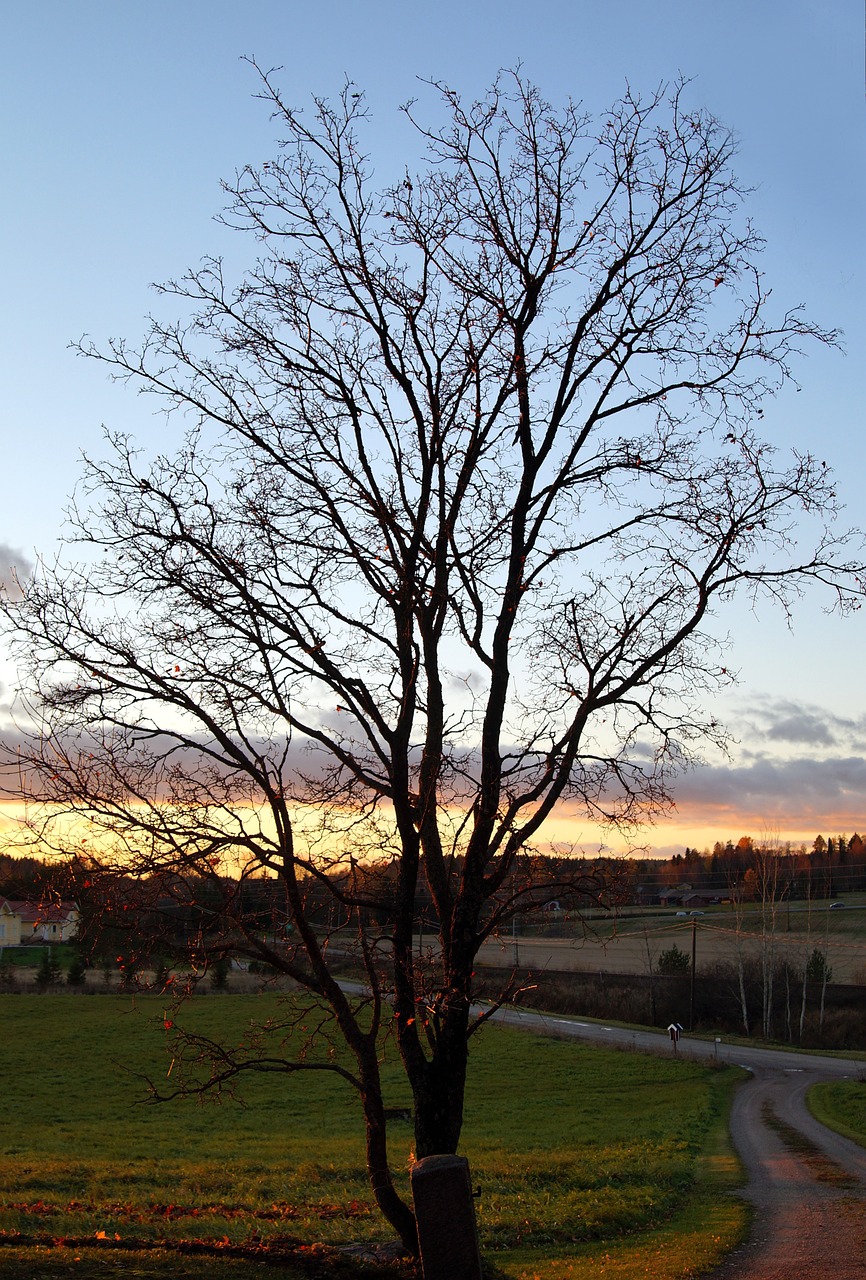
{"x": 808, "y": 1186}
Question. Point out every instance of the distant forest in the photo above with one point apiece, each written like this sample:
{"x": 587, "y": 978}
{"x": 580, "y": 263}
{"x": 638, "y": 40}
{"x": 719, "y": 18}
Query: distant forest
{"x": 827, "y": 868}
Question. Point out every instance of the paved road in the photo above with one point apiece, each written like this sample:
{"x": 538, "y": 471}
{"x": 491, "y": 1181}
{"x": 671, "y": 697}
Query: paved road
{"x": 806, "y": 1183}
{"x": 659, "y": 1042}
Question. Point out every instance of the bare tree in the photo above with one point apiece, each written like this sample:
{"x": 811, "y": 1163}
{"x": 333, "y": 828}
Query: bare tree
{"x": 773, "y": 884}
{"x": 736, "y": 889}
{"x": 804, "y": 989}
{"x": 470, "y": 462}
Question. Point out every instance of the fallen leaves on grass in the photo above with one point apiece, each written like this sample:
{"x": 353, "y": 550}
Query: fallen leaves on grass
{"x": 172, "y": 1212}
{"x": 314, "y": 1260}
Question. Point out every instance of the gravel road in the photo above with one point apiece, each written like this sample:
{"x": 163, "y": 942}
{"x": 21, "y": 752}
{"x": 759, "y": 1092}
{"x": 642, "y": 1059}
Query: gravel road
{"x": 807, "y": 1184}
{"x": 810, "y": 1202}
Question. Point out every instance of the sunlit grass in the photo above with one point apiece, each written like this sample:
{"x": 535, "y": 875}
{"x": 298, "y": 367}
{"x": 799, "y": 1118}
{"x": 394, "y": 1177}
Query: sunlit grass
{"x": 574, "y": 1148}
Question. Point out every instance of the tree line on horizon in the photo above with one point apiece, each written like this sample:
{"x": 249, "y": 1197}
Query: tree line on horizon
{"x": 825, "y": 869}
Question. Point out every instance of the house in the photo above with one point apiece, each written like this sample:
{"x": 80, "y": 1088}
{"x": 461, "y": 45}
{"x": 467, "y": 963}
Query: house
{"x": 39, "y": 921}
{"x": 10, "y": 926}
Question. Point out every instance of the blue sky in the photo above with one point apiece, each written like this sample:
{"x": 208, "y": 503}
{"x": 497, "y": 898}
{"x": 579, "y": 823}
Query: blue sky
{"x": 118, "y": 121}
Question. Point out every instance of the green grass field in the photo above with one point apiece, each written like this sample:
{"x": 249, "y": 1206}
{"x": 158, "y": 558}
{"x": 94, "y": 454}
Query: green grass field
{"x": 580, "y": 1153}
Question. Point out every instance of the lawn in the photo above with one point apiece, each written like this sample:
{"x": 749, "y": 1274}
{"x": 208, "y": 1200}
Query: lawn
{"x": 579, "y": 1152}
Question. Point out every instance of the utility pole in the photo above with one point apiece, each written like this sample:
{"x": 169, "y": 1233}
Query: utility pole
{"x": 692, "y": 977}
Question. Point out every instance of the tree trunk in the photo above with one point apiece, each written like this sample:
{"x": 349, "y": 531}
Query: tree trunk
{"x": 391, "y": 1205}
{"x": 767, "y": 960}
{"x": 823, "y": 997}
{"x": 438, "y": 1097}
{"x": 741, "y": 975}
{"x": 803, "y": 1001}
{"x": 393, "y": 1208}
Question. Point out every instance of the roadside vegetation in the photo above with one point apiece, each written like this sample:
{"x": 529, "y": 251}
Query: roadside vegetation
{"x": 841, "y": 1105}
{"x": 614, "y": 1155}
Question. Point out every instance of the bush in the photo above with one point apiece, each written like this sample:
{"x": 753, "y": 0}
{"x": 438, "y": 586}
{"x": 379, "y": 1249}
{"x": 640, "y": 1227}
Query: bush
{"x": 219, "y": 975}
{"x": 658, "y": 999}
{"x": 76, "y": 974}
{"x": 129, "y": 967}
{"x": 817, "y": 968}
{"x": 49, "y": 972}
{"x": 673, "y": 961}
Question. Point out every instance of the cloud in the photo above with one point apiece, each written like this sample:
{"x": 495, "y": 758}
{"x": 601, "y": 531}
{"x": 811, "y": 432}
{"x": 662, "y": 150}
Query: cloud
{"x": 799, "y": 766}
{"x": 786, "y": 720}
{"x": 14, "y": 568}
{"x": 804, "y": 791}
{"x": 803, "y": 727}
{"x": 657, "y": 850}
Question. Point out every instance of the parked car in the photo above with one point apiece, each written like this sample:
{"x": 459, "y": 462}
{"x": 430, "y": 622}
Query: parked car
{"x": 696, "y": 913}
{"x": 835, "y": 906}
{"x": 682, "y": 913}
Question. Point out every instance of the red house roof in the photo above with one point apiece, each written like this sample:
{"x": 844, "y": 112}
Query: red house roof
{"x": 41, "y": 912}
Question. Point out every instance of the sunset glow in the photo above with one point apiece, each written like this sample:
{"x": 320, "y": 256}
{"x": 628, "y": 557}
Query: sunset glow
{"x": 120, "y": 197}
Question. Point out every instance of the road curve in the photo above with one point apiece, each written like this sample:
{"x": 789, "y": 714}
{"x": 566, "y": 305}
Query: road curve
{"x": 810, "y": 1201}
{"x": 806, "y": 1183}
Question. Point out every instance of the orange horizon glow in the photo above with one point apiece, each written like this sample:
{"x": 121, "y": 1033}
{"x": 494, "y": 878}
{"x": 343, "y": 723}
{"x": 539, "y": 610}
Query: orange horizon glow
{"x": 666, "y": 836}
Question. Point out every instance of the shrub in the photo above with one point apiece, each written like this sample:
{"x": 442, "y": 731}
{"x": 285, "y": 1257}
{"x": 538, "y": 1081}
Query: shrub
{"x": 673, "y": 961}
{"x": 817, "y": 968}
{"x": 49, "y": 972}
{"x": 129, "y": 967}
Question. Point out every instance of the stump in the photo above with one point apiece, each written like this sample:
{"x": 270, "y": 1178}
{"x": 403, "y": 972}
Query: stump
{"x": 445, "y": 1214}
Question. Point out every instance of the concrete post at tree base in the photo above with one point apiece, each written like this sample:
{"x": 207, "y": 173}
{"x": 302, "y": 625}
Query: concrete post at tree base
{"x": 445, "y": 1214}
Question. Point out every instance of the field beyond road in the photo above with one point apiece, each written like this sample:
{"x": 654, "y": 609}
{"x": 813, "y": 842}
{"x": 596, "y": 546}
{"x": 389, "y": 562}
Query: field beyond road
{"x": 580, "y": 1153}
{"x": 633, "y": 942}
